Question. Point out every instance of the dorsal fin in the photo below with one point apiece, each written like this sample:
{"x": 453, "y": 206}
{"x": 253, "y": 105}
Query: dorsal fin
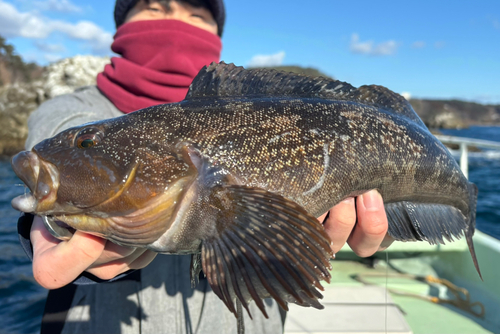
{"x": 228, "y": 80}
{"x": 381, "y": 97}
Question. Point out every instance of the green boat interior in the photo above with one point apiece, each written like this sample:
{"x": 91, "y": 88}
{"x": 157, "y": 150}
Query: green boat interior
{"x": 431, "y": 289}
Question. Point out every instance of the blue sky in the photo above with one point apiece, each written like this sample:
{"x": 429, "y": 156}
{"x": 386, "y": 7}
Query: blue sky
{"x": 429, "y": 49}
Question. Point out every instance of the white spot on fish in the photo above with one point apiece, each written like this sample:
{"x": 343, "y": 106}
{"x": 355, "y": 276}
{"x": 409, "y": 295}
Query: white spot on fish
{"x": 326, "y": 163}
{"x": 345, "y": 138}
{"x": 272, "y": 140}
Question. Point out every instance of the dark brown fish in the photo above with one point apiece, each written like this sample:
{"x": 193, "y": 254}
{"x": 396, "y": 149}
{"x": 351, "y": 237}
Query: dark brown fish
{"x": 237, "y": 172}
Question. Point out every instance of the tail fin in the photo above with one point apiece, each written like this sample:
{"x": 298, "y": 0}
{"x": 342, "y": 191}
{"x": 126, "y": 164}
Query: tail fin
{"x": 471, "y": 227}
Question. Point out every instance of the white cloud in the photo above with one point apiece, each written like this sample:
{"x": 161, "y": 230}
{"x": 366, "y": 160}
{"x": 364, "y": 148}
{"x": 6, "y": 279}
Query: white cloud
{"x": 267, "y": 60}
{"x": 370, "y": 48}
{"x": 32, "y": 25}
{"x": 496, "y": 24}
{"x": 15, "y": 24}
{"x": 97, "y": 38}
{"x": 418, "y": 45}
{"x": 439, "y": 44}
{"x": 406, "y": 95}
{"x": 62, "y": 6}
{"x": 359, "y": 47}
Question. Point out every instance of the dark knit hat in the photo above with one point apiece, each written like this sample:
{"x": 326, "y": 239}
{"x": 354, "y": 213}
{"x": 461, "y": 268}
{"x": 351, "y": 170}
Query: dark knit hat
{"x": 216, "y": 8}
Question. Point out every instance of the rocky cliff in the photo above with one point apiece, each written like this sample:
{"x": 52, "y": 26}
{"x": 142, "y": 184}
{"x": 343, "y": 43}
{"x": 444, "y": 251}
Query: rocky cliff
{"x": 455, "y": 114}
{"x": 20, "y": 98}
{"x": 12, "y": 67}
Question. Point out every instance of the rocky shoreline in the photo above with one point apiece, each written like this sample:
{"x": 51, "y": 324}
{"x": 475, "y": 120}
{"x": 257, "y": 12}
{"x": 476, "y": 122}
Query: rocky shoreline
{"x": 19, "y": 100}
{"x": 455, "y": 114}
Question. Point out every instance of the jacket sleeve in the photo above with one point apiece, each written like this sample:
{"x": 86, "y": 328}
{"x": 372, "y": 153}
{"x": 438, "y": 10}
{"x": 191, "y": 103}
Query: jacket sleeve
{"x": 86, "y": 105}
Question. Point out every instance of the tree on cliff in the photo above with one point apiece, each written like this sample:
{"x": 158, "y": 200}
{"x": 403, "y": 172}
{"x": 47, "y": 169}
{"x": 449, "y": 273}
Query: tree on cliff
{"x": 13, "y": 68}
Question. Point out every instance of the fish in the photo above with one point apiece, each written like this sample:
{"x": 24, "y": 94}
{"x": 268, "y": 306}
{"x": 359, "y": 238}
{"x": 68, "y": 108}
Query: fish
{"x": 237, "y": 172}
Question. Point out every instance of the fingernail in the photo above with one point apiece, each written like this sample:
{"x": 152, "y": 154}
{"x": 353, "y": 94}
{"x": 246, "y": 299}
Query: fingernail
{"x": 372, "y": 200}
{"x": 348, "y": 200}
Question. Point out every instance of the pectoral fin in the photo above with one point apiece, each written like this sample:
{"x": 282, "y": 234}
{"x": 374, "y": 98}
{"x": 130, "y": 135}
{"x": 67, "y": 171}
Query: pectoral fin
{"x": 264, "y": 245}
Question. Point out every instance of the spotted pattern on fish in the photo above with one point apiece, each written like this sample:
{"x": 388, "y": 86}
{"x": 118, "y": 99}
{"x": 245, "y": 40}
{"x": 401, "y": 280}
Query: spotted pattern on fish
{"x": 263, "y": 146}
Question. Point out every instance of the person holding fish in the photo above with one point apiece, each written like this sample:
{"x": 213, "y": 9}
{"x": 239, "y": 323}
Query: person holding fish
{"x": 163, "y": 44}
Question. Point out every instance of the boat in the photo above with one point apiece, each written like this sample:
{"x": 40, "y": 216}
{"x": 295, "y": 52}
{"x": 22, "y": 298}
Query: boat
{"x": 411, "y": 287}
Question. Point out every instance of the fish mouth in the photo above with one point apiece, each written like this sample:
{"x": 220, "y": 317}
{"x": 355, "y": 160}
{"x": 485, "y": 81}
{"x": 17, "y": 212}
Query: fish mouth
{"x": 41, "y": 177}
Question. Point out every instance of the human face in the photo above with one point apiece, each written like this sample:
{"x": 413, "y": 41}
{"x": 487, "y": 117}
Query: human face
{"x": 197, "y": 16}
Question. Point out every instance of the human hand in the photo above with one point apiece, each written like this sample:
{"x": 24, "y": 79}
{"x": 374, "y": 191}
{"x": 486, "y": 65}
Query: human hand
{"x": 366, "y": 237}
{"x": 57, "y": 263}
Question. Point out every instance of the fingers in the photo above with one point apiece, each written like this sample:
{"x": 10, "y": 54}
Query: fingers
{"x": 143, "y": 260}
{"x": 136, "y": 260}
{"x": 340, "y": 223}
{"x": 113, "y": 252}
{"x": 56, "y": 263}
{"x": 368, "y": 234}
{"x": 372, "y": 225}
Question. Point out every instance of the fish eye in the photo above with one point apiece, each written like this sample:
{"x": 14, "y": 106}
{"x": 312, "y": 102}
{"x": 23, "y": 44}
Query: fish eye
{"x": 88, "y": 138}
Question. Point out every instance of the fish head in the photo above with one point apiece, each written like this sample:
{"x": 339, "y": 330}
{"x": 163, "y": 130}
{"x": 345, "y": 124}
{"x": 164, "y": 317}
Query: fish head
{"x": 87, "y": 175}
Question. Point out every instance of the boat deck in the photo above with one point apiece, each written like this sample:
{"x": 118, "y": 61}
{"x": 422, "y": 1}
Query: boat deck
{"x": 352, "y": 306}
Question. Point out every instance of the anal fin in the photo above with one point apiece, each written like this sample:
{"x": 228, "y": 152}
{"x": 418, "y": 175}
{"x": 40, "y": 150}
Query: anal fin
{"x": 434, "y": 223}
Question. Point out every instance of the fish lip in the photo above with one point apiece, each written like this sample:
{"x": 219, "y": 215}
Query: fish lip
{"x": 26, "y": 165}
{"x": 25, "y": 203}
{"x": 41, "y": 177}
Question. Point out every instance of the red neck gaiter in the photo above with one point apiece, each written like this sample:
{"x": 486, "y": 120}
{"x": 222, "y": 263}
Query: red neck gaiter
{"x": 159, "y": 60}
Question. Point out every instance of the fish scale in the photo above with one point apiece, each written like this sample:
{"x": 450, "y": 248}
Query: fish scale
{"x": 259, "y": 167}
{"x": 236, "y": 173}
